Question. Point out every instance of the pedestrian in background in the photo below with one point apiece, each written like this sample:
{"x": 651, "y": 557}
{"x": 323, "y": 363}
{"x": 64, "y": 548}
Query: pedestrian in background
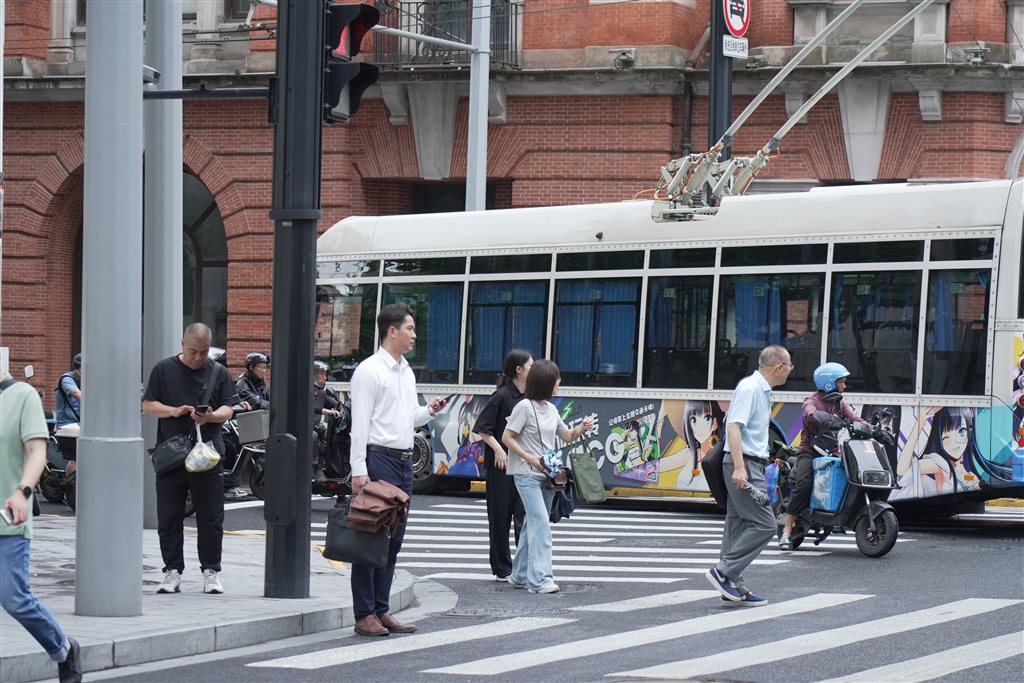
{"x": 531, "y": 430}
{"x": 176, "y": 387}
{"x": 749, "y": 525}
{"x": 326, "y": 406}
{"x": 68, "y": 395}
{"x": 23, "y": 435}
{"x": 503, "y": 504}
{"x": 385, "y": 415}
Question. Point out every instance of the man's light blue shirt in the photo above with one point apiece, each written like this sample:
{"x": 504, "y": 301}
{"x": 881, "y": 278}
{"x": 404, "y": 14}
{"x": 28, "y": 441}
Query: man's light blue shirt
{"x": 751, "y": 408}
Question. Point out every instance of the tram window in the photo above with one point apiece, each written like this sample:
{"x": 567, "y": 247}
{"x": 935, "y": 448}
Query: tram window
{"x": 438, "y": 311}
{"x": 758, "y": 310}
{"x": 678, "y": 332}
{"x": 957, "y": 332}
{"x": 326, "y": 270}
{"x": 345, "y": 320}
{"x": 683, "y": 258}
{"x": 596, "y": 329}
{"x": 503, "y": 316}
{"x": 878, "y": 252}
{"x": 873, "y": 329}
{"x": 601, "y": 260}
{"x": 519, "y": 263}
{"x": 452, "y": 265}
{"x": 785, "y": 255}
{"x": 963, "y": 250}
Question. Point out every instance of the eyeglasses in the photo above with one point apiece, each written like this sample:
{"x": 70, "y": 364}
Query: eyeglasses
{"x": 791, "y": 366}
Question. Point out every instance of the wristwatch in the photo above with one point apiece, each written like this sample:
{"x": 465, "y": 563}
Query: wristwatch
{"x": 25, "y": 491}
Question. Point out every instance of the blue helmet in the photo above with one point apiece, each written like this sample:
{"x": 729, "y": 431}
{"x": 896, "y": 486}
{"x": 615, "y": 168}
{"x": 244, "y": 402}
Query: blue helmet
{"x": 828, "y": 375}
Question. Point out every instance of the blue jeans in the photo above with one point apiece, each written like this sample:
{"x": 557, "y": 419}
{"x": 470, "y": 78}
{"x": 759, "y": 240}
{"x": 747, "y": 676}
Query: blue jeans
{"x": 532, "y": 563}
{"x": 18, "y": 601}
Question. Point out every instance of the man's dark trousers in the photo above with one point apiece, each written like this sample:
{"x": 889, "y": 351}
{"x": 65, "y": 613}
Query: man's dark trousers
{"x": 207, "y": 489}
{"x": 371, "y": 587}
{"x": 503, "y": 508}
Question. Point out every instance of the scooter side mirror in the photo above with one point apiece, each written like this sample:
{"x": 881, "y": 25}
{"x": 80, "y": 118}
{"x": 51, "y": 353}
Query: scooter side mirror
{"x": 30, "y": 372}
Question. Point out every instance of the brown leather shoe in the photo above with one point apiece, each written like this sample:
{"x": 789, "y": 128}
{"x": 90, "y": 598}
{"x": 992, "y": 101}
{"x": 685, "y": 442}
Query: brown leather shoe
{"x": 371, "y": 626}
{"x": 393, "y": 625}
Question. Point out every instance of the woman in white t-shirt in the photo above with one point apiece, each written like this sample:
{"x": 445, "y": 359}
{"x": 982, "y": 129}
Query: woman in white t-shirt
{"x": 533, "y": 428}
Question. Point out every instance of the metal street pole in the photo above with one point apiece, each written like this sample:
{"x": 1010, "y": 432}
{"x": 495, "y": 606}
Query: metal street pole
{"x": 162, "y": 228}
{"x": 719, "y": 83}
{"x": 296, "y": 209}
{"x": 479, "y": 75}
{"x": 108, "y": 544}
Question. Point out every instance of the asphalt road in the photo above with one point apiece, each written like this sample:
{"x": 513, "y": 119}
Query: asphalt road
{"x": 945, "y": 604}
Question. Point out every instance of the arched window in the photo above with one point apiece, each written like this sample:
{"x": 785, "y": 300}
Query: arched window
{"x": 205, "y": 274}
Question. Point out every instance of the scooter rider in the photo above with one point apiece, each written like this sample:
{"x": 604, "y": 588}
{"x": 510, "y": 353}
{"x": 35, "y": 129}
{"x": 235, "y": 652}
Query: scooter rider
{"x": 325, "y": 404}
{"x": 830, "y": 379}
{"x": 252, "y": 384}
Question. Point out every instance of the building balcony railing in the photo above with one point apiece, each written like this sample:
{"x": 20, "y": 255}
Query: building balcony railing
{"x": 447, "y": 19}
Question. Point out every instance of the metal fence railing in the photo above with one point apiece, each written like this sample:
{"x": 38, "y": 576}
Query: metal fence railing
{"x": 448, "y": 19}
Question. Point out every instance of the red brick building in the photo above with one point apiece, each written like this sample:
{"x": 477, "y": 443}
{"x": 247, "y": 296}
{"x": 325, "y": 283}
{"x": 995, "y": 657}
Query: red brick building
{"x": 943, "y": 99}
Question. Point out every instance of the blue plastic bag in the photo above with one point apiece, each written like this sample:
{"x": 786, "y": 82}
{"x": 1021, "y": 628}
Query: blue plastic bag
{"x": 771, "y": 477}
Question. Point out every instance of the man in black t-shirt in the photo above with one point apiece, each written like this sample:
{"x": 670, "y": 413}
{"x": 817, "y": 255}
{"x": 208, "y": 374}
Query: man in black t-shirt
{"x": 176, "y": 389}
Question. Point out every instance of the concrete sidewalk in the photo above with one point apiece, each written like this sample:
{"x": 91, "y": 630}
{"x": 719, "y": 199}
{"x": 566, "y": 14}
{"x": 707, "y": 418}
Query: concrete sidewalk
{"x": 180, "y": 624}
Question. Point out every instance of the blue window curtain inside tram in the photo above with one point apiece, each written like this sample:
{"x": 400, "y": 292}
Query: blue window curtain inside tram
{"x": 597, "y": 330}
{"x": 941, "y": 299}
{"x": 444, "y": 309}
{"x": 504, "y": 316}
{"x": 758, "y": 313}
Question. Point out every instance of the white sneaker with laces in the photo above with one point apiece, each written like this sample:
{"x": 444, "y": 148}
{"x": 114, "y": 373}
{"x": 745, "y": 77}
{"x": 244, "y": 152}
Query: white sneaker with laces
{"x": 234, "y": 493}
{"x": 546, "y": 588}
{"x": 171, "y": 582}
{"x": 211, "y": 584}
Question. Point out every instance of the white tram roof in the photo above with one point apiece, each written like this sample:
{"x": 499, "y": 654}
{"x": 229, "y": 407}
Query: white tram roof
{"x": 882, "y": 210}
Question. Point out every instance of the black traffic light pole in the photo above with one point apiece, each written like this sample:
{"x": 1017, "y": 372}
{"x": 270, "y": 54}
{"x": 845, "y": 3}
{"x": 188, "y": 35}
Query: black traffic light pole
{"x": 296, "y": 209}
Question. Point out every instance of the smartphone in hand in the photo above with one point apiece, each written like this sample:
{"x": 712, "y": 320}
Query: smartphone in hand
{"x": 5, "y": 513}
{"x": 202, "y": 409}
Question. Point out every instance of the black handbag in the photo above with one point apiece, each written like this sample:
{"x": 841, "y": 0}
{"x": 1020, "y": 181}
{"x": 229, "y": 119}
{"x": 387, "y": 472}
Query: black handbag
{"x": 345, "y": 544}
{"x": 170, "y": 454}
{"x": 712, "y": 466}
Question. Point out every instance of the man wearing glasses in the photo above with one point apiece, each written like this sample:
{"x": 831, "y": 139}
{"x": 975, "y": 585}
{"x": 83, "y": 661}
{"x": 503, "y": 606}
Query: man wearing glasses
{"x": 749, "y": 524}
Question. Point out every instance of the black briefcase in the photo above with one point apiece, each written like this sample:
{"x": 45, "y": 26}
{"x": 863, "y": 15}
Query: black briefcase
{"x": 712, "y": 466}
{"x": 345, "y": 544}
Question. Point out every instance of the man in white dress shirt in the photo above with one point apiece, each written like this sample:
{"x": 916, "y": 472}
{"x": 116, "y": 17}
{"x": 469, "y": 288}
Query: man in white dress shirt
{"x": 385, "y": 414}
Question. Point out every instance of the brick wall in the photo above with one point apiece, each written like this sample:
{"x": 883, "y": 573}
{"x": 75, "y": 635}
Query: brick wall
{"x": 982, "y": 20}
{"x": 28, "y": 28}
{"x": 771, "y": 23}
{"x": 569, "y": 24}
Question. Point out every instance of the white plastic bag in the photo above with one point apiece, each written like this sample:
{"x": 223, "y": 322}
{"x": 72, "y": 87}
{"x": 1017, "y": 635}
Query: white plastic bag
{"x": 203, "y": 456}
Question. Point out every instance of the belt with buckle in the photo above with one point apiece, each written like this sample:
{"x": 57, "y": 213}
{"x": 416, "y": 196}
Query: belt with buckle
{"x": 398, "y": 453}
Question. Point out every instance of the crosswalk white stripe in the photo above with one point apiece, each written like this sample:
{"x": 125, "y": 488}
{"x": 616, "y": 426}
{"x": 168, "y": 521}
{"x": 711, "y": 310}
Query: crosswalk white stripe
{"x": 322, "y": 659}
{"x": 445, "y": 516}
{"x": 583, "y": 510}
{"x": 564, "y": 578}
{"x": 556, "y": 531}
{"x": 612, "y": 550}
{"x": 591, "y": 538}
{"x": 582, "y": 567}
{"x": 565, "y": 524}
{"x": 633, "y": 561}
{"x": 648, "y": 601}
{"x": 943, "y": 663}
{"x": 495, "y": 665}
{"x": 818, "y": 641}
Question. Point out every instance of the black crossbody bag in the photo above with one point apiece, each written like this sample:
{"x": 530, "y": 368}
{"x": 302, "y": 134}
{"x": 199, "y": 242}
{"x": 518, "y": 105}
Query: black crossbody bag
{"x": 170, "y": 454}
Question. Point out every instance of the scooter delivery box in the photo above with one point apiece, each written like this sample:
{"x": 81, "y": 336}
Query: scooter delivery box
{"x": 829, "y": 484}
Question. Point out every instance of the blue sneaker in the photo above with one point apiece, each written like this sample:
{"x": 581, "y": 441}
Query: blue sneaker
{"x": 724, "y": 586}
{"x": 748, "y": 599}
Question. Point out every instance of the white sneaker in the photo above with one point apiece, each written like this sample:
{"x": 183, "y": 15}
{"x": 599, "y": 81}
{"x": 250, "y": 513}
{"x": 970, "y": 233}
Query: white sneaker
{"x": 235, "y": 493}
{"x": 546, "y": 588}
{"x": 171, "y": 582}
{"x": 211, "y": 584}
{"x": 515, "y": 584}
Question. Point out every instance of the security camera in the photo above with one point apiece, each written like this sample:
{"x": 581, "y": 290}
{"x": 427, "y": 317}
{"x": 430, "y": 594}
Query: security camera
{"x": 624, "y": 57}
{"x": 150, "y": 75}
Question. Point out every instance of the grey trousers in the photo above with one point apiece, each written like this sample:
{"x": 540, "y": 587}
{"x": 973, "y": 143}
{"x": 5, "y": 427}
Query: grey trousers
{"x": 749, "y": 527}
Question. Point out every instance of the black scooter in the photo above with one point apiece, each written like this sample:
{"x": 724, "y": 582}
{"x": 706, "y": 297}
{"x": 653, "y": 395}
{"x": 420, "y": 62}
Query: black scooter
{"x": 862, "y": 505}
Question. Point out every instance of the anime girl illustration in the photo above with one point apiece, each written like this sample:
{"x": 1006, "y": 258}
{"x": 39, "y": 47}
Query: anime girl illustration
{"x": 469, "y": 458}
{"x": 699, "y": 426}
{"x": 949, "y": 460}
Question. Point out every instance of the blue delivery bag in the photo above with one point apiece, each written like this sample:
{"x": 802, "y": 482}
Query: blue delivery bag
{"x": 829, "y": 484}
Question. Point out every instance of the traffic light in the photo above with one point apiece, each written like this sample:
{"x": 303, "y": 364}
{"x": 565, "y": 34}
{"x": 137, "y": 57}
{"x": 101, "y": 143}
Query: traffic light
{"x": 345, "y": 81}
